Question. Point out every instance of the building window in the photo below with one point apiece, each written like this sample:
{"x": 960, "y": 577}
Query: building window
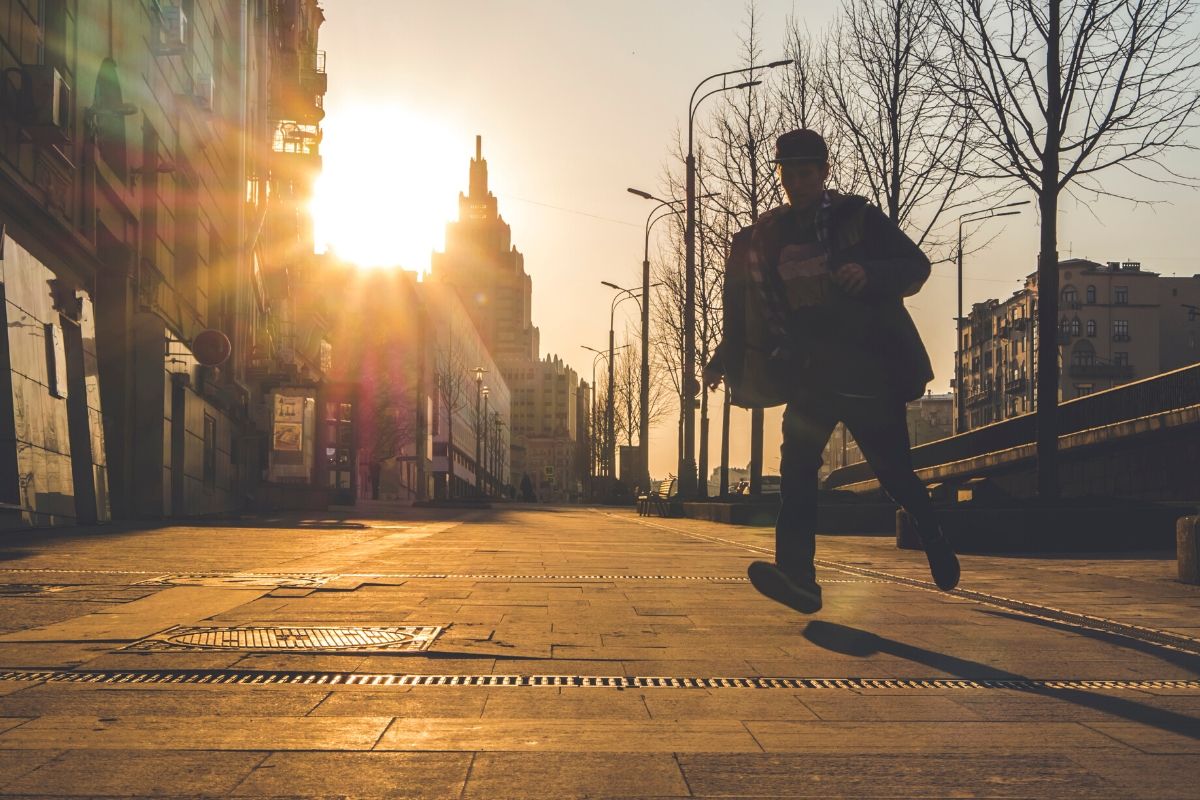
{"x": 1091, "y": 294}
{"x": 1120, "y": 359}
{"x": 1083, "y": 355}
{"x": 1076, "y": 327}
{"x": 1121, "y": 330}
{"x": 1121, "y": 295}
{"x": 1091, "y": 327}
{"x": 1070, "y": 297}
{"x": 1084, "y": 389}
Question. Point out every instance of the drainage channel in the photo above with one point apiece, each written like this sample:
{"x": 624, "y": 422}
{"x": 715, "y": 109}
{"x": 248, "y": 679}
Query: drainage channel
{"x": 300, "y": 678}
{"x": 1152, "y": 636}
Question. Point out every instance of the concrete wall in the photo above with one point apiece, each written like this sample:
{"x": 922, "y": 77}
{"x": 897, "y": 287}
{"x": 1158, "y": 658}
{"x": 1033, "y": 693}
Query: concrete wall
{"x": 51, "y": 432}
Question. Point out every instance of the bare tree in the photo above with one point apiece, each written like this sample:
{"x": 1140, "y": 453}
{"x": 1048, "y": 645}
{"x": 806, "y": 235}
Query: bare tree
{"x": 451, "y": 374}
{"x": 667, "y": 310}
{"x": 903, "y": 139}
{"x": 743, "y": 132}
{"x": 1062, "y": 92}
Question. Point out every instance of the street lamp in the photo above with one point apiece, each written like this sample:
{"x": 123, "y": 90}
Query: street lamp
{"x": 687, "y": 462}
{"x": 622, "y": 294}
{"x": 479, "y": 373}
{"x": 966, "y": 219}
{"x": 644, "y": 416}
{"x": 598, "y": 355}
{"x": 479, "y": 464}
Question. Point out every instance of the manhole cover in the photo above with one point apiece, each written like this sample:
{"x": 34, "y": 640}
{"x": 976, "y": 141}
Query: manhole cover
{"x": 341, "y": 639}
{"x": 249, "y": 580}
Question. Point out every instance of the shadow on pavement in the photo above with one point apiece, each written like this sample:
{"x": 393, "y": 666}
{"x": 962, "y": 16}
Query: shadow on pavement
{"x": 1176, "y": 657}
{"x": 860, "y": 644}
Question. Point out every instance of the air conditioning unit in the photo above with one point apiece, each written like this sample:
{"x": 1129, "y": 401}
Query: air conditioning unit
{"x": 46, "y": 105}
{"x": 172, "y": 30}
{"x": 204, "y": 91}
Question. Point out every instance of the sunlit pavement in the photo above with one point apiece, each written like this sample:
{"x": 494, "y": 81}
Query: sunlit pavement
{"x": 1045, "y": 677}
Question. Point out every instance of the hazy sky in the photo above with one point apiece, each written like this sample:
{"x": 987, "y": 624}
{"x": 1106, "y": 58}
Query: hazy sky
{"x": 576, "y": 101}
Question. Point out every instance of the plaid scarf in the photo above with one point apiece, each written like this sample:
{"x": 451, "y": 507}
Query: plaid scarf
{"x": 765, "y": 276}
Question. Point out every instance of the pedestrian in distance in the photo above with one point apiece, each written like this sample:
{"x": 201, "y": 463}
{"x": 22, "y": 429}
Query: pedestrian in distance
{"x": 815, "y": 321}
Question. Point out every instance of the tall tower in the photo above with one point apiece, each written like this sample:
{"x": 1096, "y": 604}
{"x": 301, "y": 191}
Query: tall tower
{"x": 488, "y": 273}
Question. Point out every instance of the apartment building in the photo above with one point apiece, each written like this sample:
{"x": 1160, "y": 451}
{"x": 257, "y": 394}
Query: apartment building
{"x": 1117, "y": 323}
{"x": 149, "y": 281}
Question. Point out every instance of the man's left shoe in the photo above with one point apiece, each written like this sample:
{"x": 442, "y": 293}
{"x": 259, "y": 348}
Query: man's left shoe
{"x": 800, "y": 594}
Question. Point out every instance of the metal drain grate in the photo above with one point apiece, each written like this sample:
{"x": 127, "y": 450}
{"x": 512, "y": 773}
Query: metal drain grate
{"x": 341, "y": 639}
{"x": 249, "y": 580}
{"x": 240, "y": 677}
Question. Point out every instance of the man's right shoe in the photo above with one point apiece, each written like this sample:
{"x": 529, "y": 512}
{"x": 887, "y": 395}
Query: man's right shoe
{"x": 800, "y": 595}
{"x": 943, "y": 563}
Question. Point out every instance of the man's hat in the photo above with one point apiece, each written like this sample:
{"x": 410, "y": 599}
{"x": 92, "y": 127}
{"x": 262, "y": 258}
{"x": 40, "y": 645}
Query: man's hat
{"x": 801, "y": 145}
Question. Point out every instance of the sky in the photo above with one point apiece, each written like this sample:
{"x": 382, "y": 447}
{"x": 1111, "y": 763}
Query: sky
{"x": 576, "y": 101}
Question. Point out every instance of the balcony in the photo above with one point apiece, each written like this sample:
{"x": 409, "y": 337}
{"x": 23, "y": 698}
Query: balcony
{"x": 1015, "y": 386}
{"x": 1107, "y": 372}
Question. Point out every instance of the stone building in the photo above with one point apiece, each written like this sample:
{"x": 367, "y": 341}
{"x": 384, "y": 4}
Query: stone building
{"x": 488, "y": 274}
{"x": 929, "y": 418}
{"x": 546, "y": 405}
{"x": 472, "y": 408}
{"x": 1117, "y": 323}
{"x": 150, "y": 290}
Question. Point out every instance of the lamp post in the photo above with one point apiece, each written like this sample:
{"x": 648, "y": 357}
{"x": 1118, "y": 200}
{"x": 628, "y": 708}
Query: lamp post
{"x": 622, "y": 294}
{"x": 966, "y": 219}
{"x": 479, "y": 463}
{"x": 644, "y": 416}
{"x": 599, "y": 354}
{"x": 687, "y": 462}
{"x": 479, "y": 373}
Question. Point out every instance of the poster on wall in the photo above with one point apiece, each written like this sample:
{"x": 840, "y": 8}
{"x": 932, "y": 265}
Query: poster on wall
{"x": 292, "y": 431}
{"x": 289, "y": 437}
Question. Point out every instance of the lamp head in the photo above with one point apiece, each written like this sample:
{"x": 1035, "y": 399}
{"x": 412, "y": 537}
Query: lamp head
{"x": 640, "y": 193}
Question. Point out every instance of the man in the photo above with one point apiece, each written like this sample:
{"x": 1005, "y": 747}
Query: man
{"x": 827, "y": 274}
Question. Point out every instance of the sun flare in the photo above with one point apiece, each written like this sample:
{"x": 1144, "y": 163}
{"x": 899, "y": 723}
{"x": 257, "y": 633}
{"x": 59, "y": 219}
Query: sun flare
{"x": 389, "y": 186}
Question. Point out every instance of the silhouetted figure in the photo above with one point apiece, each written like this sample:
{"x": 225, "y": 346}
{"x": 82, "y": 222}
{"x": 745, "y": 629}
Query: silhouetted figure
{"x": 820, "y": 325}
{"x": 527, "y": 494}
{"x": 375, "y": 469}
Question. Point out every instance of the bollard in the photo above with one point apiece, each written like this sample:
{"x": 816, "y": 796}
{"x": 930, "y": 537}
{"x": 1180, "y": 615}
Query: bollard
{"x": 906, "y": 532}
{"x": 1187, "y": 549}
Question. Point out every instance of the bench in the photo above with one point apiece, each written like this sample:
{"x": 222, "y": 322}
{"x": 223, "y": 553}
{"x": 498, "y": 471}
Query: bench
{"x": 657, "y": 499}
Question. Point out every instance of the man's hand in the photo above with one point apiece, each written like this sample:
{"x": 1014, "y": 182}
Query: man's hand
{"x": 712, "y": 376}
{"x": 851, "y": 277}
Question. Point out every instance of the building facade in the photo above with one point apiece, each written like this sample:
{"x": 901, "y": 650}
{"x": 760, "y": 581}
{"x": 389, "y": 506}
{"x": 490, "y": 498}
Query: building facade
{"x": 929, "y": 418}
{"x": 488, "y": 275}
{"x": 1117, "y": 323}
{"x": 546, "y": 405}
{"x": 146, "y": 286}
{"x": 472, "y": 419}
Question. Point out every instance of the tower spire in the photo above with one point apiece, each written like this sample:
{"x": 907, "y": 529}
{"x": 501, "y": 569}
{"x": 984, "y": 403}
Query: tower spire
{"x": 479, "y": 179}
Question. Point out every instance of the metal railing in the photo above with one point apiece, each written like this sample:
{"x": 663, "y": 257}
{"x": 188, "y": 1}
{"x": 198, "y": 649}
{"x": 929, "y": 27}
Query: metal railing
{"x": 1171, "y": 390}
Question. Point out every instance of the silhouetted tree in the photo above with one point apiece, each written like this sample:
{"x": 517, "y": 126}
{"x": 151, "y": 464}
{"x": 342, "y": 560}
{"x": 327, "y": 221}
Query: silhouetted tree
{"x": 1061, "y": 92}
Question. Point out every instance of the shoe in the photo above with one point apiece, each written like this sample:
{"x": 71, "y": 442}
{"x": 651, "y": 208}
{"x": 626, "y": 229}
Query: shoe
{"x": 800, "y": 595}
{"x": 943, "y": 563}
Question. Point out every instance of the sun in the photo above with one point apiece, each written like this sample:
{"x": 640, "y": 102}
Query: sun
{"x": 388, "y": 187}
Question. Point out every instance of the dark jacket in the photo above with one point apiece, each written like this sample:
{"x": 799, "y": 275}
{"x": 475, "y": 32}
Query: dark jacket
{"x": 861, "y": 345}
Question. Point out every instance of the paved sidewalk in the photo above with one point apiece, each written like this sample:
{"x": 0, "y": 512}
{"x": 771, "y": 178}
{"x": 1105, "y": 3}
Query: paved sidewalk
{"x": 581, "y": 653}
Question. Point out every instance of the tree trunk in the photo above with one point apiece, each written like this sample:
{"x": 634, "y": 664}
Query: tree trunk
{"x": 1047, "y": 377}
{"x": 702, "y": 470}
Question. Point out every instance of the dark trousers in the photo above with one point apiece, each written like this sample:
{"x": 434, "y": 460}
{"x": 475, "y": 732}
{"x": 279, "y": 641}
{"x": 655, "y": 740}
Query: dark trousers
{"x": 880, "y": 428}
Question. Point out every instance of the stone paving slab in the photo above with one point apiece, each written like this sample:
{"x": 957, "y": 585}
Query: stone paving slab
{"x": 193, "y": 732}
{"x": 539, "y": 615}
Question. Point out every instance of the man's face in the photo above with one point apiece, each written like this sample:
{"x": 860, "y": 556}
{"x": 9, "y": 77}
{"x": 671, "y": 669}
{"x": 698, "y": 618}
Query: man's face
{"x": 803, "y": 181}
